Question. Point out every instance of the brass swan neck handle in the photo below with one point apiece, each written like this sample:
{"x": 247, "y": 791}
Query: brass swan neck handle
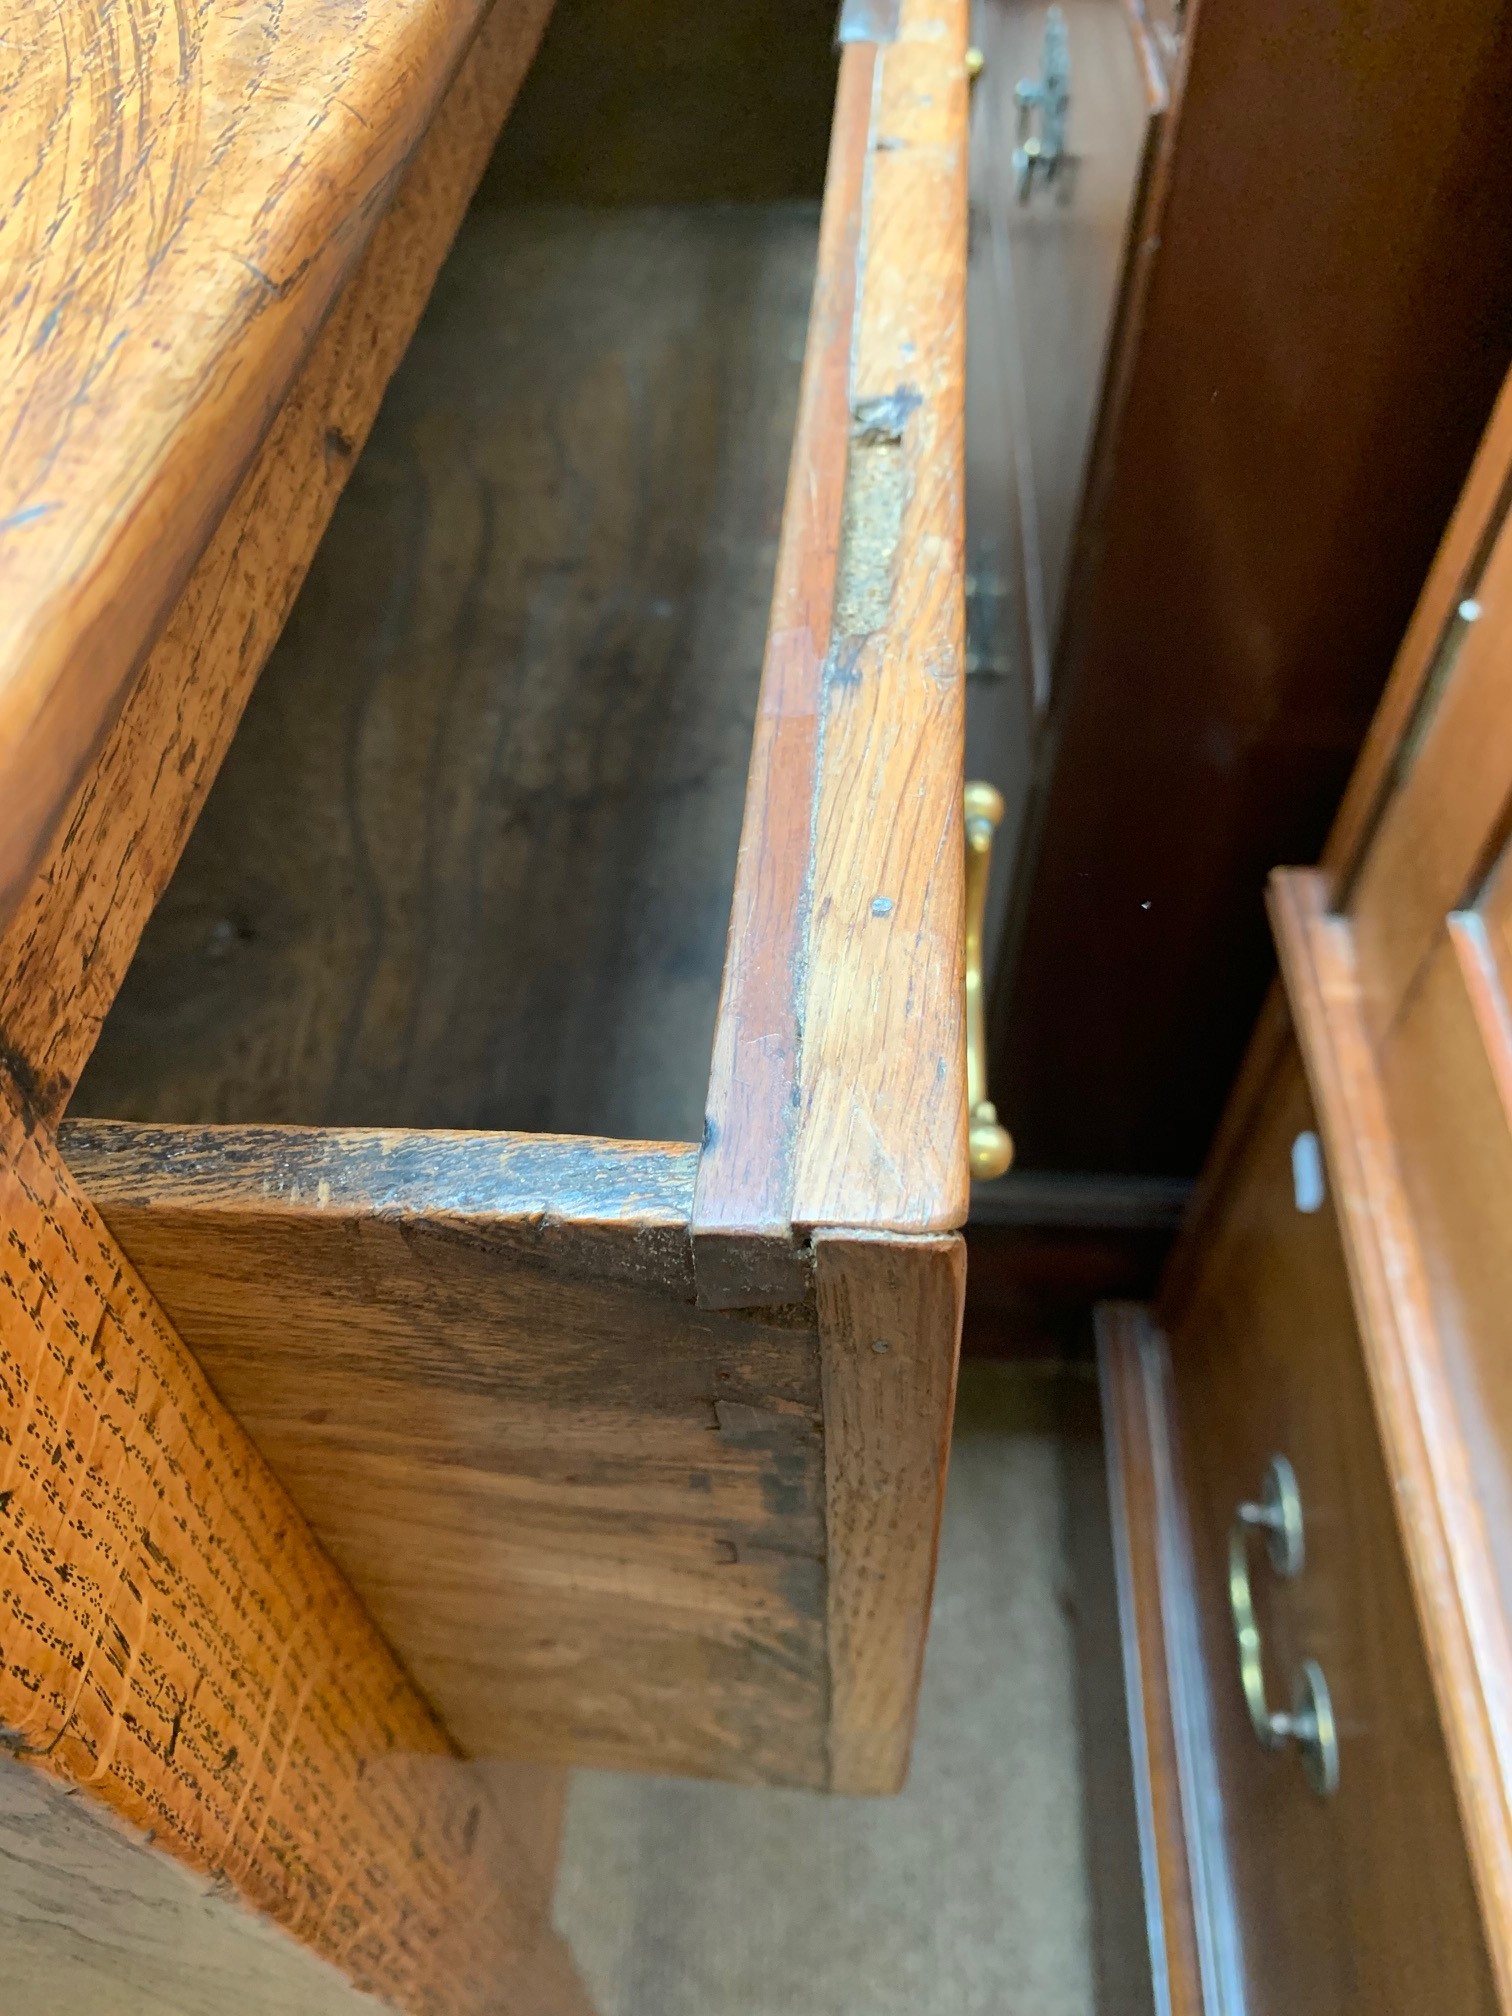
{"x": 990, "y": 1147}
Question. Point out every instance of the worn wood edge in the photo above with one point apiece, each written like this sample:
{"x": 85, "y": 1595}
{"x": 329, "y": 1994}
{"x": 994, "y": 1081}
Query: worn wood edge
{"x": 783, "y": 1092}
{"x": 743, "y": 1244}
{"x": 1152, "y": 60}
{"x": 1481, "y": 504}
{"x": 76, "y": 634}
{"x": 351, "y": 1821}
{"x": 562, "y": 1207}
{"x": 887, "y": 1427}
{"x": 1215, "y": 1919}
{"x": 1440, "y": 1518}
{"x": 1128, "y": 1445}
{"x": 380, "y": 1172}
{"x": 66, "y": 948}
{"x": 881, "y": 1133}
{"x": 1445, "y": 815}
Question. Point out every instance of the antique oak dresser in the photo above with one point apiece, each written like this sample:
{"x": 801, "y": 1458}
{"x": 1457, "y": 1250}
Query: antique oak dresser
{"x": 334, "y": 1455}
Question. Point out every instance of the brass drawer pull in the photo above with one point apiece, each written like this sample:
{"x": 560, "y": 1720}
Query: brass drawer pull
{"x": 989, "y": 1143}
{"x": 1310, "y": 1722}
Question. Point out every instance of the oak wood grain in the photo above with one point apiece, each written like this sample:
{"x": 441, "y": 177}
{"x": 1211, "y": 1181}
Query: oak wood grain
{"x": 598, "y": 1521}
{"x": 741, "y": 1219}
{"x": 881, "y": 1124}
{"x": 837, "y": 1094}
{"x": 588, "y": 1515}
{"x": 66, "y": 948}
{"x": 177, "y": 1643}
{"x": 1430, "y": 1448}
{"x": 601, "y": 1524}
{"x": 161, "y": 295}
{"x": 889, "y": 1337}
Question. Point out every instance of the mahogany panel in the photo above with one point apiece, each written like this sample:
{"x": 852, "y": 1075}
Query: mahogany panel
{"x": 1456, "y": 570}
{"x": 1324, "y": 334}
{"x": 1365, "y": 1898}
{"x": 1432, "y": 1448}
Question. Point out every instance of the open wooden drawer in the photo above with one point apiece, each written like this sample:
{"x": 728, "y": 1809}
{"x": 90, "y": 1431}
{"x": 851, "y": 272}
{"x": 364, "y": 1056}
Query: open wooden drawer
{"x": 633, "y": 1449}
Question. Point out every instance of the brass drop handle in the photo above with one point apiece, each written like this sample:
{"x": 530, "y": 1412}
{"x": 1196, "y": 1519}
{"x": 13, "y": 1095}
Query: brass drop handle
{"x": 1310, "y": 1722}
{"x": 990, "y": 1145}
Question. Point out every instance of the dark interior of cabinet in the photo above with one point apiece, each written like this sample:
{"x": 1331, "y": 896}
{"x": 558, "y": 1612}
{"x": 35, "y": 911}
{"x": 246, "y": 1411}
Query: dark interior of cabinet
{"x": 469, "y": 860}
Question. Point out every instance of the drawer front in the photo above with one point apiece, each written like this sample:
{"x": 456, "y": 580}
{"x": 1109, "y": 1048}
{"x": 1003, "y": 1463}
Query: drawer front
{"x": 1360, "y": 1898}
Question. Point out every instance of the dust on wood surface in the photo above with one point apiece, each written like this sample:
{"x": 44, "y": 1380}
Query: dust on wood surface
{"x": 469, "y": 862}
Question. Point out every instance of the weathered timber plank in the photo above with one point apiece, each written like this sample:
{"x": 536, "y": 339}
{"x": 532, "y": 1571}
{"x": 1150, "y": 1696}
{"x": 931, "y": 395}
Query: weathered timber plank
{"x": 881, "y": 1137}
{"x": 588, "y": 1514}
{"x": 160, "y": 297}
{"x": 742, "y": 1216}
{"x": 889, "y": 1338}
{"x": 66, "y": 947}
{"x": 837, "y": 1094}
